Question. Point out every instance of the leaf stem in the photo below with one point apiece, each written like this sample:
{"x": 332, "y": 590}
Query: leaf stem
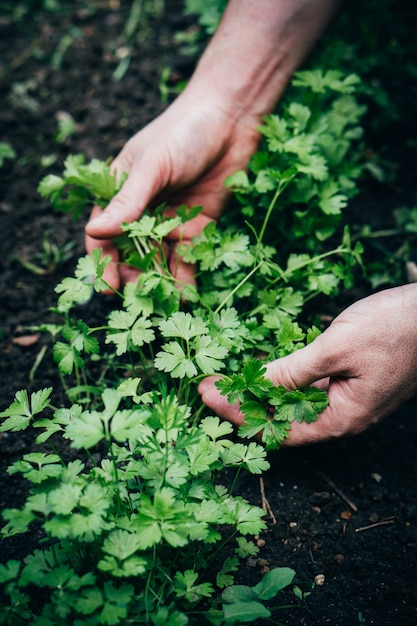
{"x": 235, "y": 289}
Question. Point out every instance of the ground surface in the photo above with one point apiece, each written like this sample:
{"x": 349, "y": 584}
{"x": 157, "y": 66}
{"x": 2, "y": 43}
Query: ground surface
{"x": 346, "y": 511}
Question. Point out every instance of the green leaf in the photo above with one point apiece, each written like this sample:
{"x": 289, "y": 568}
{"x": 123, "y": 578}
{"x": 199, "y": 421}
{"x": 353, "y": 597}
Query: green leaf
{"x": 6, "y": 152}
{"x": 72, "y": 291}
{"x": 77, "y": 334}
{"x": 51, "y": 187}
{"x": 37, "y": 466}
{"x": 132, "y": 566}
{"x": 331, "y": 201}
{"x": 202, "y": 455}
{"x": 121, "y": 544}
{"x": 252, "y": 457}
{"x": 300, "y": 114}
{"x": 65, "y": 498}
{"x": 247, "y": 518}
{"x": 20, "y": 412}
{"x": 273, "y": 431}
{"x": 132, "y": 331}
{"x": 125, "y": 425}
{"x": 209, "y": 355}
{"x": 173, "y": 359}
{"x": 90, "y": 269}
{"x": 18, "y": 521}
{"x": 225, "y": 576}
{"x": 324, "y": 283}
{"x": 163, "y": 518}
{"x": 275, "y": 129}
{"x": 165, "y": 615}
{"x": 185, "y": 587}
{"x": 234, "y": 250}
{"x": 15, "y": 423}
{"x": 239, "y": 593}
{"x": 183, "y": 325}
{"x": 214, "y": 428}
{"x": 302, "y": 405}
{"x": 188, "y": 213}
{"x": 87, "y": 430}
{"x": 315, "y": 167}
{"x": 239, "y": 182}
{"x": 89, "y": 600}
{"x": 273, "y": 582}
{"x": 9, "y": 571}
{"x": 67, "y": 357}
{"x": 39, "y": 400}
{"x": 246, "y": 548}
{"x": 320, "y": 81}
{"x": 245, "y": 611}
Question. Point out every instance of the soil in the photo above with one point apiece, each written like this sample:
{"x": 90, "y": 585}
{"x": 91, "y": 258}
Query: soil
{"x": 343, "y": 514}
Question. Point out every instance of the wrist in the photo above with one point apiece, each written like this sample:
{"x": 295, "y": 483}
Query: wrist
{"x": 258, "y": 45}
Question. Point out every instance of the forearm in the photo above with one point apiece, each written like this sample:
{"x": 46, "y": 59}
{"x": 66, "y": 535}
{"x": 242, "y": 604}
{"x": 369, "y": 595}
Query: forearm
{"x": 257, "y": 47}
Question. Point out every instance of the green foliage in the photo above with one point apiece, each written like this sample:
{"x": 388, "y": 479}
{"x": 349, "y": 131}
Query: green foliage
{"x": 209, "y": 13}
{"x": 81, "y": 185}
{"x": 308, "y": 164}
{"x": 142, "y": 524}
{"x": 6, "y": 152}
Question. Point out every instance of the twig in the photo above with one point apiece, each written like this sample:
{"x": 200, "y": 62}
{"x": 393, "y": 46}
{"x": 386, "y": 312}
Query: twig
{"x": 339, "y": 492}
{"x": 265, "y": 504}
{"x": 383, "y": 522}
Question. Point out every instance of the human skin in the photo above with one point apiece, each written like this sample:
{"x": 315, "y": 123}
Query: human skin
{"x": 210, "y": 130}
{"x": 366, "y": 359}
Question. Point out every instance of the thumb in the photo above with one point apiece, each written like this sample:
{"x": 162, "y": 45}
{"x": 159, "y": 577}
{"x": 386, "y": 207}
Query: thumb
{"x": 144, "y": 182}
{"x": 328, "y": 355}
{"x": 305, "y": 366}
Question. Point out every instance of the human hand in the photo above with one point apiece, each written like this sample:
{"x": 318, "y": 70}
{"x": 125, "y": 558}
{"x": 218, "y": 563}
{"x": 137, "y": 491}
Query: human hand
{"x": 182, "y": 157}
{"x": 366, "y": 359}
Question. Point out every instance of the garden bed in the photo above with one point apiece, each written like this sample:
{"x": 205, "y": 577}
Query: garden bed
{"x": 344, "y": 514}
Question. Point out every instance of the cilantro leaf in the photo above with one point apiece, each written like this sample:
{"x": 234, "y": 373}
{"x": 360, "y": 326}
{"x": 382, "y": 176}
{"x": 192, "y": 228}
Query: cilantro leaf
{"x": 183, "y": 325}
{"x": 173, "y": 359}
{"x": 209, "y": 355}
{"x": 21, "y": 411}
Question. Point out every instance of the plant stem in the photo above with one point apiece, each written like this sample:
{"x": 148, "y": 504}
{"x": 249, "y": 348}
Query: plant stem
{"x": 242, "y": 282}
{"x": 280, "y": 189}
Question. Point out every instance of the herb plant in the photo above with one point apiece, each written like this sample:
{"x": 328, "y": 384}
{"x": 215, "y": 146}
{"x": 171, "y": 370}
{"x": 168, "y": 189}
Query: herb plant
{"x": 139, "y": 518}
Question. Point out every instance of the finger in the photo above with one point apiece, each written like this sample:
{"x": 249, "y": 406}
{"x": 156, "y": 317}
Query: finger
{"x": 212, "y": 398}
{"x": 127, "y": 273}
{"x": 328, "y": 355}
{"x": 132, "y": 199}
{"x": 326, "y": 428}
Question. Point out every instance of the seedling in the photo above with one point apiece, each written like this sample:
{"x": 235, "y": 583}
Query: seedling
{"x": 49, "y": 258}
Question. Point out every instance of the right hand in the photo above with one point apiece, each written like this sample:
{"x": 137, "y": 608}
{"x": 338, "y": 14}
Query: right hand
{"x": 182, "y": 157}
{"x": 366, "y": 359}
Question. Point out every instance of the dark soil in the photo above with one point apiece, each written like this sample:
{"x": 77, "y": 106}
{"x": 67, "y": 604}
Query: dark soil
{"x": 343, "y": 514}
